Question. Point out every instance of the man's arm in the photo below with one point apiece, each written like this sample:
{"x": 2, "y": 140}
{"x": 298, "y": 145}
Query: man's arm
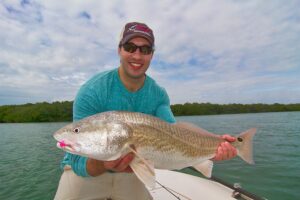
{"x": 163, "y": 111}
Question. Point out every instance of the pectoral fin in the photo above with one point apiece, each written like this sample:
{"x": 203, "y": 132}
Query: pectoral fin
{"x": 144, "y": 170}
{"x": 205, "y": 167}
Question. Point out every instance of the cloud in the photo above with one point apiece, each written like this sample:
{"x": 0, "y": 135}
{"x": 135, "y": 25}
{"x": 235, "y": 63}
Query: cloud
{"x": 206, "y": 51}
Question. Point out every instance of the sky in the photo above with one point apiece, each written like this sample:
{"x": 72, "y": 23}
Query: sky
{"x": 206, "y": 50}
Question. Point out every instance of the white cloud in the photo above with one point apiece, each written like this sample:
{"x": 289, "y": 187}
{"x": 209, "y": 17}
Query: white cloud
{"x": 207, "y": 51}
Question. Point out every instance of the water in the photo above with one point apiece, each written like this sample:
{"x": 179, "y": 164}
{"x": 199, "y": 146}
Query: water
{"x": 29, "y": 159}
{"x": 276, "y": 174}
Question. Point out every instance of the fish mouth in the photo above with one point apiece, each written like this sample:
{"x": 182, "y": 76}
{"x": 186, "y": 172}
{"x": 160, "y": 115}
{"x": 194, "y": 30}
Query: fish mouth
{"x": 68, "y": 146}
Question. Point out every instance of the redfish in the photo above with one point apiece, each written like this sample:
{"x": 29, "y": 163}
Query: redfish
{"x": 157, "y": 144}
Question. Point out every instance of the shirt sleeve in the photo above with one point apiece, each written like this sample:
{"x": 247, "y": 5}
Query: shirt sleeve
{"x": 78, "y": 164}
{"x": 164, "y": 111}
{"x": 85, "y": 104}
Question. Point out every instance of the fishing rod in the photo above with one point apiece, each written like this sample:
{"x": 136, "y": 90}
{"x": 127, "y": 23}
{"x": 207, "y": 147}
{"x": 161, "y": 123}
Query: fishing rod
{"x": 173, "y": 192}
{"x": 238, "y": 192}
{"x": 168, "y": 190}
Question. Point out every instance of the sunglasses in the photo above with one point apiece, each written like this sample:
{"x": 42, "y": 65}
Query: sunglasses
{"x": 131, "y": 48}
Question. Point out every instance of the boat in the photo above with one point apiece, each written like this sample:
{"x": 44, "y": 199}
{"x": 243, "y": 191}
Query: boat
{"x": 183, "y": 186}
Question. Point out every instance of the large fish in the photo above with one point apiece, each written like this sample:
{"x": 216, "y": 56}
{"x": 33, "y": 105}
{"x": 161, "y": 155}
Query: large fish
{"x": 157, "y": 144}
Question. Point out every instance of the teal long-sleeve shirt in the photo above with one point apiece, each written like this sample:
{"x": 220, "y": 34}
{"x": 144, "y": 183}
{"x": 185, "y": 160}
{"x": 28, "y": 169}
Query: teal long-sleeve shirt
{"x": 106, "y": 92}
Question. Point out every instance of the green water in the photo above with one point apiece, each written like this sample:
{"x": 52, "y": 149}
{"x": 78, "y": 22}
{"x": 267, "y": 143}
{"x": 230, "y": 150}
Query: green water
{"x": 29, "y": 159}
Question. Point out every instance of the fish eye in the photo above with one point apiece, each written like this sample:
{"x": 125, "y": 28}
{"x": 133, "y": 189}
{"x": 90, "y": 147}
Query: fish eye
{"x": 76, "y": 130}
{"x": 240, "y": 139}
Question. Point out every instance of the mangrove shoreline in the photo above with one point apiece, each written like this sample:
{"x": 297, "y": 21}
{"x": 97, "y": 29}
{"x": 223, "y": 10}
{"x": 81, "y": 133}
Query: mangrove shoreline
{"x": 62, "y": 111}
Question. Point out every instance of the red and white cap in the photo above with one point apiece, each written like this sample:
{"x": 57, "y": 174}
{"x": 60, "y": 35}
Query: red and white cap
{"x": 136, "y": 29}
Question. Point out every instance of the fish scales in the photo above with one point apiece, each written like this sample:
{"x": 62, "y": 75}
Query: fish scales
{"x": 110, "y": 135}
{"x": 150, "y": 131}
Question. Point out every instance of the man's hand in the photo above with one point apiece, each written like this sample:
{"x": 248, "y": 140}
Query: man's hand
{"x": 98, "y": 167}
{"x": 119, "y": 165}
{"x": 225, "y": 150}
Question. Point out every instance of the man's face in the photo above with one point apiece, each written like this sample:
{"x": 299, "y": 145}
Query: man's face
{"x": 134, "y": 65}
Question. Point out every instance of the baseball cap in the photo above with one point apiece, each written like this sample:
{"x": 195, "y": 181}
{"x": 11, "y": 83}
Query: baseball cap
{"x": 136, "y": 29}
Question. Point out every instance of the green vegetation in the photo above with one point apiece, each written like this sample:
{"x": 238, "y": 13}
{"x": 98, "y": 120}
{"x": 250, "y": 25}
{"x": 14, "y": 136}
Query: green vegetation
{"x": 39, "y": 112}
{"x": 62, "y": 111}
{"x": 215, "y": 109}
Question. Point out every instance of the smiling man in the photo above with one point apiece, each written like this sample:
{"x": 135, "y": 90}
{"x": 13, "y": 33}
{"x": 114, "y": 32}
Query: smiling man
{"x": 125, "y": 88}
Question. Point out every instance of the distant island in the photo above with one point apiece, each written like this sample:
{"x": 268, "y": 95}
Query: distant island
{"x": 62, "y": 111}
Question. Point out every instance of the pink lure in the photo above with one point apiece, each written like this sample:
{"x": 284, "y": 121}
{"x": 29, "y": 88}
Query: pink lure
{"x": 62, "y": 144}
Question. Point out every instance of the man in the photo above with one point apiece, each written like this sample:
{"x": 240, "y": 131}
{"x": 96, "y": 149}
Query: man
{"x": 125, "y": 88}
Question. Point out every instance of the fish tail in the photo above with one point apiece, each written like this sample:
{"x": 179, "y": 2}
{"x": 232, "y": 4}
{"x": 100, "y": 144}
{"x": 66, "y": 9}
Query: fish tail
{"x": 244, "y": 145}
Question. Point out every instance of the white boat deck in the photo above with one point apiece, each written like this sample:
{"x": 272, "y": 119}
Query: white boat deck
{"x": 186, "y": 186}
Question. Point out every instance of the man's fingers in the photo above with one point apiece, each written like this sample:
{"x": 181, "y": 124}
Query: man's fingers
{"x": 121, "y": 164}
{"x": 225, "y": 151}
{"x": 228, "y": 151}
{"x": 112, "y": 164}
{"x": 219, "y": 154}
{"x": 125, "y": 161}
{"x": 228, "y": 138}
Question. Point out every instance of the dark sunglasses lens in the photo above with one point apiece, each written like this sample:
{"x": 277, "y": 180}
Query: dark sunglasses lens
{"x": 146, "y": 50}
{"x": 129, "y": 47}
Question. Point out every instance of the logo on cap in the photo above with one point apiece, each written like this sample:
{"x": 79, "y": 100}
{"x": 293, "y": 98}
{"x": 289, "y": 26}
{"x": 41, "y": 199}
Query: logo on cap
{"x": 140, "y": 29}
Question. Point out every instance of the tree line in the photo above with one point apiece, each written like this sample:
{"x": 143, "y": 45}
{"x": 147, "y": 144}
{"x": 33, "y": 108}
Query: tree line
{"x": 62, "y": 111}
{"x": 215, "y": 109}
{"x": 39, "y": 112}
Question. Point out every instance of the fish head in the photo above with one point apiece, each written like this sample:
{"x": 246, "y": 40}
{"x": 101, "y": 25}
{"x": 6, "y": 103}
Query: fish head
{"x": 98, "y": 139}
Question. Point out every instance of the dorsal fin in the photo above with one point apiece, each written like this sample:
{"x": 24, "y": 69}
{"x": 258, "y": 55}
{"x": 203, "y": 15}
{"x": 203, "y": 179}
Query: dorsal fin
{"x": 193, "y": 128}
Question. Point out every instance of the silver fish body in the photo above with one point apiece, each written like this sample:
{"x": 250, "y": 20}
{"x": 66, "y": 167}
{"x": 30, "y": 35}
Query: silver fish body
{"x": 110, "y": 135}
